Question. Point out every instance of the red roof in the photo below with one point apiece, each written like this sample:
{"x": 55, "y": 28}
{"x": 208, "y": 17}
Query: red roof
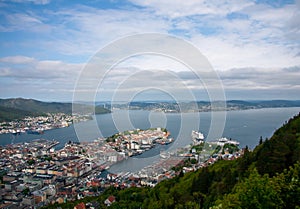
{"x": 111, "y": 199}
{"x": 80, "y": 206}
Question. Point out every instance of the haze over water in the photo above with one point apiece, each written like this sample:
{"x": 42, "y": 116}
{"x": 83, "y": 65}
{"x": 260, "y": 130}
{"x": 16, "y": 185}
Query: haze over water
{"x": 246, "y": 126}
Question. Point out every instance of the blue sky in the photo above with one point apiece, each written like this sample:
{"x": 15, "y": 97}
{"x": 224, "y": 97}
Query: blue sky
{"x": 254, "y": 46}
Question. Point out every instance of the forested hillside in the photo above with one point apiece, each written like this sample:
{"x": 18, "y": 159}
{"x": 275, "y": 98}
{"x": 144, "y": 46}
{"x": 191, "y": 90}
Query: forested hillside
{"x": 267, "y": 177}
{"x": 8, "y": 114}
{"x": 18, "y": 108}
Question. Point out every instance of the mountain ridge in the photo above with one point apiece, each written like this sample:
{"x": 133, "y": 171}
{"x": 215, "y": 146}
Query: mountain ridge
{"x": 18, "y": 108}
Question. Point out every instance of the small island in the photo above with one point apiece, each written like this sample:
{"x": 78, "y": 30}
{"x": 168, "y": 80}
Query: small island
{"x": 135, "y": 142}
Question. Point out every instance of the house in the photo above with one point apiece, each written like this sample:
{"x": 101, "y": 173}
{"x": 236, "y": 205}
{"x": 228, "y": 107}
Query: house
{"x": 80, "y": 206}
{"x": 60, "y": 200}
{"x": 39, "y": 196}
{"x": 29, "y": 200}
{"x": 11, "y": 186}
{"x": 8, "y": 178}
{"x": 110, "y": 200}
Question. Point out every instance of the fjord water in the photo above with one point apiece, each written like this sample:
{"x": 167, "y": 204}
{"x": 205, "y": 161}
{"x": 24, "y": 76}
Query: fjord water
{"x": 246, "y": 126}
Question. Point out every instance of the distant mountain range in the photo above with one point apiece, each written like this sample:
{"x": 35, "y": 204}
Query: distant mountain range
{"x": 203, "y": 106}
{"x": 18, "y": 108}
{"x": 264, "y": 104}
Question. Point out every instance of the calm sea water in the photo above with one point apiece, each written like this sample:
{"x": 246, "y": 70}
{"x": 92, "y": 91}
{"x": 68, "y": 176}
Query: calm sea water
{"x": 246, "y": 126}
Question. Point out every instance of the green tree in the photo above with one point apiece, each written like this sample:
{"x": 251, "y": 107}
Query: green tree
{"x": 254, "y": 192}
{"x": 260, "y": 140}
{"x": 289, "y": 182}
{"x": 31, "y": 162}
{"x": 26, "y": 191}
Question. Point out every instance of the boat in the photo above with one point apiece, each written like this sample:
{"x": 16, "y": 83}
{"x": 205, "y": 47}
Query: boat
{"x": 169, "y": 141}
{"x": 16, "y": 132}
{"x": 35, "y": 131}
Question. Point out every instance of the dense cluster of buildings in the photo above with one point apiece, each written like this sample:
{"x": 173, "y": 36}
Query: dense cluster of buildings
{"x": 135, "y": 142}
{"x": 34, "y": 174}
{"x": 36, "y": 125}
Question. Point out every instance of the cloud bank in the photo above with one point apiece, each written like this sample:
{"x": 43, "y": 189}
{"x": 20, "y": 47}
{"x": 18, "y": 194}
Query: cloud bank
{"x": 253, "y": 45}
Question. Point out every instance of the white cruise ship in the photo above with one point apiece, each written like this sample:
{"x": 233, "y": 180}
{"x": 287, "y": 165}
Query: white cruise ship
{"x": 224, "y": 140}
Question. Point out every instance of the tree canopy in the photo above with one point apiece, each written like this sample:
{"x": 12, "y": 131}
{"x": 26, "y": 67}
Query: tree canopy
{"x": 268, "y": 177}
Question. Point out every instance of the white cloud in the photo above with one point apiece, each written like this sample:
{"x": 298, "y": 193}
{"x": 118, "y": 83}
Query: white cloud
{"x": 42, "y": 2}
{"x": 230, "y": 52}
{"x": 30, "y": 68}
{"x": 50, "y": 77}
{"x": 259, "y": 40}
{"x": 179, "y": 8}
{"x": 84, "y": 30}
{"x": 256, "y": 39}
{"x": 46, "y": 79}
{"x": 23, "y": 21}
{"x": 262, "y": 78}
{"x": 17, "y": 59}
{"x": 237, "y": 78}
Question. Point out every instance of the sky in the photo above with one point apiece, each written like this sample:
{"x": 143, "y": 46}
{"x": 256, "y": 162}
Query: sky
{"x": 253, "y": 46}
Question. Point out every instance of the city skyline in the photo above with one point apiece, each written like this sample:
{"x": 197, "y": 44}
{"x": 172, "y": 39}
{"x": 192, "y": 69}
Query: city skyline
{"x": 252, "y": 45}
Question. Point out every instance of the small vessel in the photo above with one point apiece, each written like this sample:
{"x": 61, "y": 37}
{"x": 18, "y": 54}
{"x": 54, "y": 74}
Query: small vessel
{"x": 35, "y": 131}
{"x": 169, "y": 140}
{"x": 16, "y": 132}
